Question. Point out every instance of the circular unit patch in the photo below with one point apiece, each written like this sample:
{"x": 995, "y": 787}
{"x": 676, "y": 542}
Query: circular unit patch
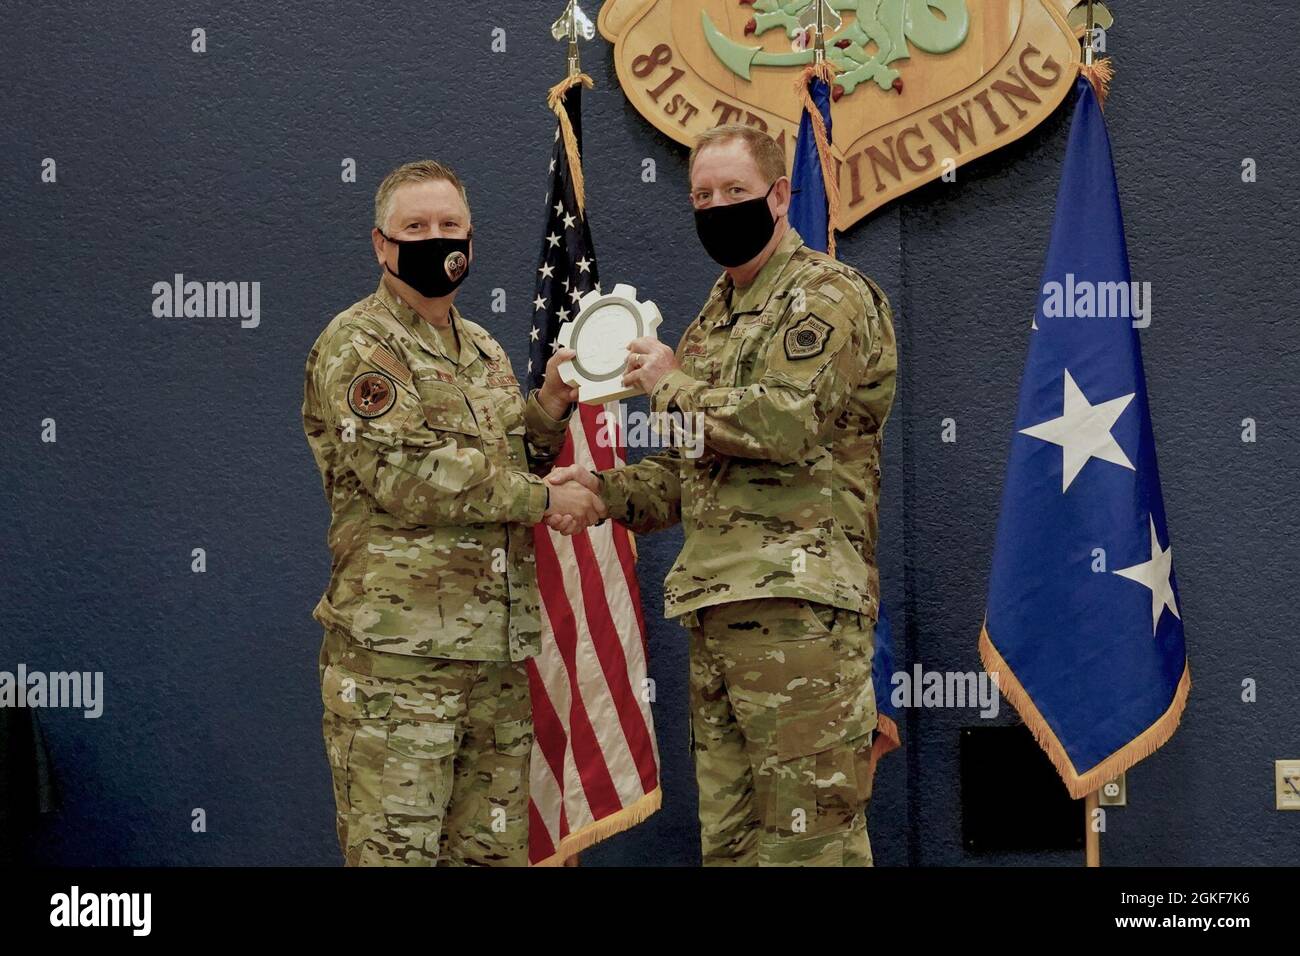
{"x": 371, "y": 394}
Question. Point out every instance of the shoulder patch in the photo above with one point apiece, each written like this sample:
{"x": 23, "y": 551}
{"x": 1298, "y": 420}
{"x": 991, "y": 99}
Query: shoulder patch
{"x": 371, "y": 394}
{"x": 807, "y": 338}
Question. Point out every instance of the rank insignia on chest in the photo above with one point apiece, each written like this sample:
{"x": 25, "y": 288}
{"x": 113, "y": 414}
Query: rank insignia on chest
{"x": 371, "y": 394}
{"x": 807, "y": 338}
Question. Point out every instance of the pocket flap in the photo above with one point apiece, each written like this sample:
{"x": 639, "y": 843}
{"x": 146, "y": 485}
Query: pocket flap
{"x": 423, "y": 739}
{"x": 355, "y": 696}
{"x": 816, "y": 725}
{"x": 445, "y": 407}
{"x": 515, "y": 737}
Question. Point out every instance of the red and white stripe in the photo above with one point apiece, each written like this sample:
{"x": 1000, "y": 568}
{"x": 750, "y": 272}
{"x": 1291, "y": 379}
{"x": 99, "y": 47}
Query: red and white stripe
{"x": 595, "y": 763}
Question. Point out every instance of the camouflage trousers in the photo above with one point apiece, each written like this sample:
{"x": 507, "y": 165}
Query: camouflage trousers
{"x": 782, "y": 714}
{"x": 429, "y": 757}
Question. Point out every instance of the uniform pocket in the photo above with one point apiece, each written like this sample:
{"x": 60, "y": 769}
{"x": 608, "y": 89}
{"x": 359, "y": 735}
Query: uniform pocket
{"x": 418, "y": 766}
{"x": 816, "y": 793}
{"x": 514, "y": 738}
{"x": 821, "y": 617}
{"x": 355, "y": 696}
{"x": 356, "y": 728}
{"x": 338, "y": 734}
{"x": 446, "y": 409}
{"x": 829, "y": 697}
{"x": 865, "y": 766}
{"x": 508, "y": 789}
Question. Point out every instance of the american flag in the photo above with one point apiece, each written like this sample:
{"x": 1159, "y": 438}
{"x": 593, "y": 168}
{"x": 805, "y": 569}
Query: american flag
{"x": 595, "y": 763}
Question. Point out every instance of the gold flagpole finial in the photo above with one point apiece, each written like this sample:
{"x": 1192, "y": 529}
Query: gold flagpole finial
{"x": 573, "y": 25}
{"x": 1089, "y": 17}
{"x": 1085, "y": 18}
{"x": 819, "y": 19}
{"x": 819, "y": 45}
{"x": 1089, "y": 44}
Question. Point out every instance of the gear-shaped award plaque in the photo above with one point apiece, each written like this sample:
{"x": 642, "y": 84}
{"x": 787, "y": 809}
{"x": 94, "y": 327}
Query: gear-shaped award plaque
{"x": 600, "y": 333}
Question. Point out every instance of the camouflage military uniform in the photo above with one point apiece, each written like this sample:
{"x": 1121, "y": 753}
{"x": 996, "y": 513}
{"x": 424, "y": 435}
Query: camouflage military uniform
{"x": 777, "y": 580}
{"x": 432, "y": 604}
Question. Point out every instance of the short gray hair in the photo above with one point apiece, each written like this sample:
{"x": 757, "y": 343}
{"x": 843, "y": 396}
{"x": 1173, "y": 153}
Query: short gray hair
{"x": 420, "y": 171}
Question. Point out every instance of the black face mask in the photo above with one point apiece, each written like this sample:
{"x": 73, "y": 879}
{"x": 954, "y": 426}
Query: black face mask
{"x": 735, "y": 234}
{"x": 432, "y": 267}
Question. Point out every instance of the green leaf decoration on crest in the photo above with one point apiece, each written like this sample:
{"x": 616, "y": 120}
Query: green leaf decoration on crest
{"x": 861, "y": 49}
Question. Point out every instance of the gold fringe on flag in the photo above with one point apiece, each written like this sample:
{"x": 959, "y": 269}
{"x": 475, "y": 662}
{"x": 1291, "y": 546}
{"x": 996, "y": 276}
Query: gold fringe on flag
{"x": 822, "y": 71}
{"x": 886, "y": 739}
{"x": 1081, "y": 784}
{"x": 593, "y": 833}
{"x": 555, "y": 100}
{"x": 1099, "y": 74}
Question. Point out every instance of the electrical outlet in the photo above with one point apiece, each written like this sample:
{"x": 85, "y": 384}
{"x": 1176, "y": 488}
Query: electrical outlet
{"x": 1288, "y": 784}
{"x": 1114, "y": 793}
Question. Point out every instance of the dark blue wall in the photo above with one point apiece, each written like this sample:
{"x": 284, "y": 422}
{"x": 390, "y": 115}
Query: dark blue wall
{"x": 184, "y": 433}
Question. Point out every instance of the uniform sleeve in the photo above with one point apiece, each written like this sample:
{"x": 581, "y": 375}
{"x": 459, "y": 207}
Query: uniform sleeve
{"x": 646, "y": 496}
{"x": 419, "y": 475}
{"x": 544, "y": 435}
{"x": 817, "y": 357}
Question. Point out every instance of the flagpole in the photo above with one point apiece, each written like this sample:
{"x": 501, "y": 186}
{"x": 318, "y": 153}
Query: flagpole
{"x": 567, "y": 28}
{"x": 1087, "y": 47}
{"x": 1099, "y": 72}
{"x": 1091, "y": 803}
{"x": 819, "y": 44}
{"x": 1091, "y": 838}
{"x": 1091, "y": 835}
{"x": 575, "y": 64}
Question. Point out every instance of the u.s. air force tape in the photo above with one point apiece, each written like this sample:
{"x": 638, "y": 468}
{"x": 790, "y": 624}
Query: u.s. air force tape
{"x": 371, "y": 394}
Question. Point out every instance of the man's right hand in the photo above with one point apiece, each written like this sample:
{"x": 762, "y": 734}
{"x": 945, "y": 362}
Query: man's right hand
{"x": 573, "y": 506}
{"x": 582, "y": 476}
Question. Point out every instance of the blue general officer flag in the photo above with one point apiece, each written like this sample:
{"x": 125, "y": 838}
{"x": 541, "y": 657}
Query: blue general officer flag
{"x": 1084, "y": 624}
{"x": 810, "y": 216}
{"x": 809, "y": 211}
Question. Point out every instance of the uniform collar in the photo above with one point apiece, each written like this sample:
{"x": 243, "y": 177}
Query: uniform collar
{"x": 755, "y": 296}
{"x": 424, "y": 333}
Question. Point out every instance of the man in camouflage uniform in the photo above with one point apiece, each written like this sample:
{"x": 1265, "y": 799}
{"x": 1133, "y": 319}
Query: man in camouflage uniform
{"x": 790, "y": 367}
{"x": 424, "y": 444}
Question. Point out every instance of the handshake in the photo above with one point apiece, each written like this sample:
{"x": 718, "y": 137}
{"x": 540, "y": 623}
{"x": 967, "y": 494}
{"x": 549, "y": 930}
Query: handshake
{"x": 575, "y": 500}
{"x": 575, "y": 491}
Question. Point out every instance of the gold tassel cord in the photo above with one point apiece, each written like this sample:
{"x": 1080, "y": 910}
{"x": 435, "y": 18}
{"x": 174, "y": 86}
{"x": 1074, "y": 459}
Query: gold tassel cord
{"x": 1099, "y": 73}
{"x": 826, "y": 72}
{"x": 555, "y": 100}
